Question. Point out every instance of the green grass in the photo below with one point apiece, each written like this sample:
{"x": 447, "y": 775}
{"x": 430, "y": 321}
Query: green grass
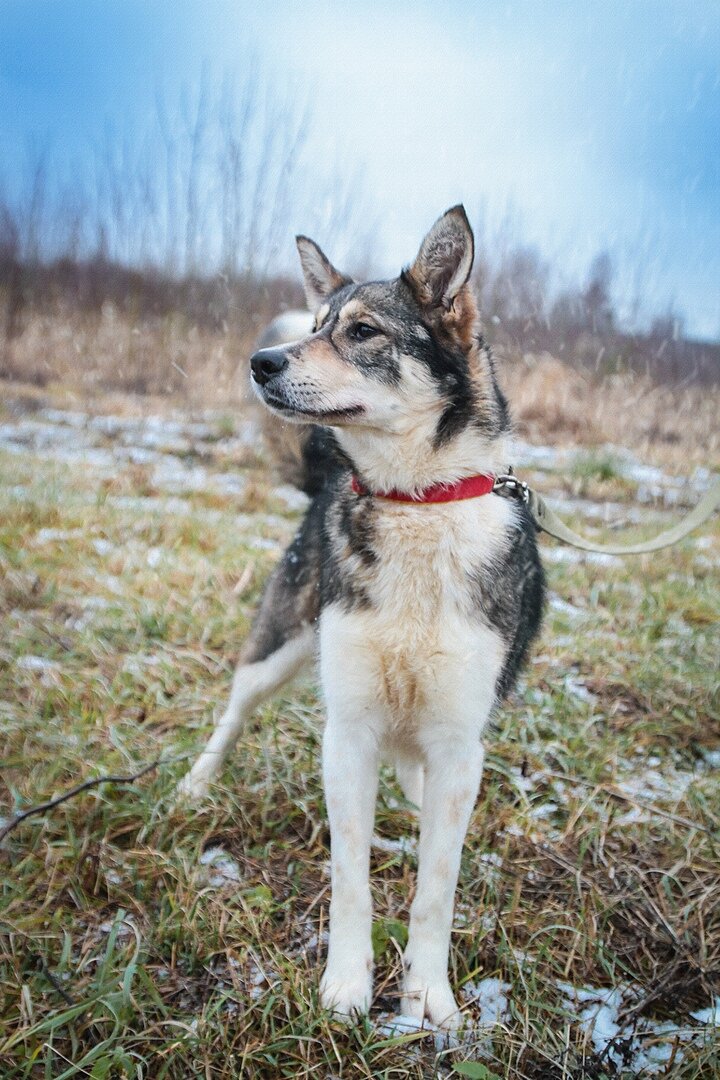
{"x": 123, "y": 955}
{"x": 595, "y": 465}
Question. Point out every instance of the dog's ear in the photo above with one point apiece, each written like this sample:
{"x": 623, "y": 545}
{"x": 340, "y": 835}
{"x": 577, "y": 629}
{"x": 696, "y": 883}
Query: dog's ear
{"x": 319, "y": 275}
{"x": 444, "y": 261}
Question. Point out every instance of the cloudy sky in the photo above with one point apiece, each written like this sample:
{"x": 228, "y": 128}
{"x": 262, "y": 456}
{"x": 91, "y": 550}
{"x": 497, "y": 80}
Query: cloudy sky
{"x": 595, "y": 124}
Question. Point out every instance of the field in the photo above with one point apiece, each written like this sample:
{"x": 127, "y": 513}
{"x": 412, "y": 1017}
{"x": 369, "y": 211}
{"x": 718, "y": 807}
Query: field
{"x": 139, "y": 940}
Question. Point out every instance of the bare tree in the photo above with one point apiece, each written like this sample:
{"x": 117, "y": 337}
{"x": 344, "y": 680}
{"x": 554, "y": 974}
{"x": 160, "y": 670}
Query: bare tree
{"x": 597, "y": 296}
{"x": 10, "y": 271}
{"x": 195, "y": 125}
{"x": 33, "y": 214}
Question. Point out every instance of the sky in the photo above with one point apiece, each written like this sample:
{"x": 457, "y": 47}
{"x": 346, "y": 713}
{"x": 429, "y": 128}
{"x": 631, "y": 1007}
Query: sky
{"x": 592, "y": 125}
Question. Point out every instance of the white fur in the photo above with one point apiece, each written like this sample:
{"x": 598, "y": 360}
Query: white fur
{"x": 411, "y": 679}
{"x": 286, "y": 328}
{"x": 405, "y": 458}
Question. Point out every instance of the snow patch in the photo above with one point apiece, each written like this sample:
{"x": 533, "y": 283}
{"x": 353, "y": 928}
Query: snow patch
{"x": 222, "y": 867}
{"x": 103, "y": 547}
{"x": 262, "y": 543}
{"x": 577, "y": 689}
{"x": 708, "y": 1016}
{"x": 49, "y": 536}
{"x": 136, "y": 663}
{"x": 572, "y": 556}
{"x": 562, "y": 607}
{"x": 260, "y": 980}
{"x": 36, "y": 663}
{"x": 645, "y": 1047}
{"x": 154, "y": 556}
{"x": 491, "y": 997}
{"x": 125, "y": 929}
{"x": 650, "y": 784}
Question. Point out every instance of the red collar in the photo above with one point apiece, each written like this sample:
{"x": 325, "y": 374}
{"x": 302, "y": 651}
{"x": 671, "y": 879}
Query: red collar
{"x": 467, "y": 488}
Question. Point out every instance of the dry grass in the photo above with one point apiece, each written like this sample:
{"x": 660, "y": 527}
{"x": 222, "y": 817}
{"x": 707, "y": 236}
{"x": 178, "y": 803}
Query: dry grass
{"x": 93, "y": 354}
{"x": 592, "y": 858}
{"x": 107, "y": 360}
{"x": 554, "y": 403}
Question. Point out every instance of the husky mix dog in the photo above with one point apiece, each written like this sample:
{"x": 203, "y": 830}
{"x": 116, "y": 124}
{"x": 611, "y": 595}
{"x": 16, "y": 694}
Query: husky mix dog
{"x": 423, "y": 588}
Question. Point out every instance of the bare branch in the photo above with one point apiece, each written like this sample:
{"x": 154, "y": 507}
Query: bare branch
{"x": 95, "y": 782}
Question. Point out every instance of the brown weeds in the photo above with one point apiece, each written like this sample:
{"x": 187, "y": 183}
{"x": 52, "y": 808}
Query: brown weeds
{"x": 107, "y": 360}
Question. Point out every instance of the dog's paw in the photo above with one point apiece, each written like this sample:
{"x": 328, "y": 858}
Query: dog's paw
{"x": 430, "y": 999}
{"x": 192, "y": 789}
{"x": 346, "y": 994}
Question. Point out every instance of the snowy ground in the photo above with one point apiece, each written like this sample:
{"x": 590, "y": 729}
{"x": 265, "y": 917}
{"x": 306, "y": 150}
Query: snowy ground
{"x": 610, "y": 740}
{"x": 183, "y": 457}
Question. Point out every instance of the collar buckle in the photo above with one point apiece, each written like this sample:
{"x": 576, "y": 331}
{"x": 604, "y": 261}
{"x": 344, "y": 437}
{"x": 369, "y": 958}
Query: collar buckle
{"x": 510, "y": 487}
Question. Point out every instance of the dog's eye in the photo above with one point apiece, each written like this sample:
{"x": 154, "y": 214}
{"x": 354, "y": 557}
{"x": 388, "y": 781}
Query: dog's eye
{"x": 362, "y": 331}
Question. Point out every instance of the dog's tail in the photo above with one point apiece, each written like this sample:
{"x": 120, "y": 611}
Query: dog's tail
{"x": 302, "y": 455}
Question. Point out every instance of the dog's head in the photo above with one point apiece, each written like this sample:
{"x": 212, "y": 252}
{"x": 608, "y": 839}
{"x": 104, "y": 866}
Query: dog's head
{"x": 386, "y": 356}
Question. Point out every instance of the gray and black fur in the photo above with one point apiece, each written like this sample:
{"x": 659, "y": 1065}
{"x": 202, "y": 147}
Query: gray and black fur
{"x": 334, "y": 553}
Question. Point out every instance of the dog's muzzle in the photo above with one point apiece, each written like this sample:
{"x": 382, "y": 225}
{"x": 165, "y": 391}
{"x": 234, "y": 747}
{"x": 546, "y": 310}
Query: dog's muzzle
{"x": 267, "y": 363}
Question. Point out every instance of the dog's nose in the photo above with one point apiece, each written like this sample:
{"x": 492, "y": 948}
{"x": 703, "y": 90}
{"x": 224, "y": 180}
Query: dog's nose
{"x": 266, "y": 363}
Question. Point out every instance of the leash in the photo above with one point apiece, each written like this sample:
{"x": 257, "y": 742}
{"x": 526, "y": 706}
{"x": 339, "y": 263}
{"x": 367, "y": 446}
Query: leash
{"x": 509, "y": 486}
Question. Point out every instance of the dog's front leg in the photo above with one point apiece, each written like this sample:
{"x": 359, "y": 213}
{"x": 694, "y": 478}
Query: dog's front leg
{"x": 452, "y": 781}
{"x": 350, "y": 776}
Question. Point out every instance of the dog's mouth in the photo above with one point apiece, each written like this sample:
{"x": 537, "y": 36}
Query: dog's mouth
{"x": 326, "y": 416}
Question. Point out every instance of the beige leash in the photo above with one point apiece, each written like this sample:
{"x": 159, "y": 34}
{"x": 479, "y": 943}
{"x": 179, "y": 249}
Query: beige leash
{"x": 547, "y": 520}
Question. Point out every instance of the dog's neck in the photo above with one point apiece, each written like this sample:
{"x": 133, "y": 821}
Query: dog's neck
{"x": 407, "y": 460}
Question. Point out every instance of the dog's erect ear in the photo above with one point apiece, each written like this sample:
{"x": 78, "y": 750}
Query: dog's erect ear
{"x": 444, "y": 261}
{"x": 320, "y": 276}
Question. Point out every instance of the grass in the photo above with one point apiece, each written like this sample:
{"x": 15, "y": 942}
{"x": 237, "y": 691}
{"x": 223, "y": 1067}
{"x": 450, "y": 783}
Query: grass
{"x": 140, "y": 941}
{"x": 600, "y": 466}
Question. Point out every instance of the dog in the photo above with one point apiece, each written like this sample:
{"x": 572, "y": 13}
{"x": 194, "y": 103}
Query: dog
{"x": 423, "y": 586}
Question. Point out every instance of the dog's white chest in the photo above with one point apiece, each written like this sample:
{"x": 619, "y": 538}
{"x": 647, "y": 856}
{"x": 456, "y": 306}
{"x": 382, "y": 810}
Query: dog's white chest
{"x": 424, "y": 560}
{"x": 420, "y": 643}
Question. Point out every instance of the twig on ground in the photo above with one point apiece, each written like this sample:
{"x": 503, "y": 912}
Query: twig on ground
{"x": 52, "y": 979}
{"x": 64, "y": 644}
{"x": 95, "y": 782}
